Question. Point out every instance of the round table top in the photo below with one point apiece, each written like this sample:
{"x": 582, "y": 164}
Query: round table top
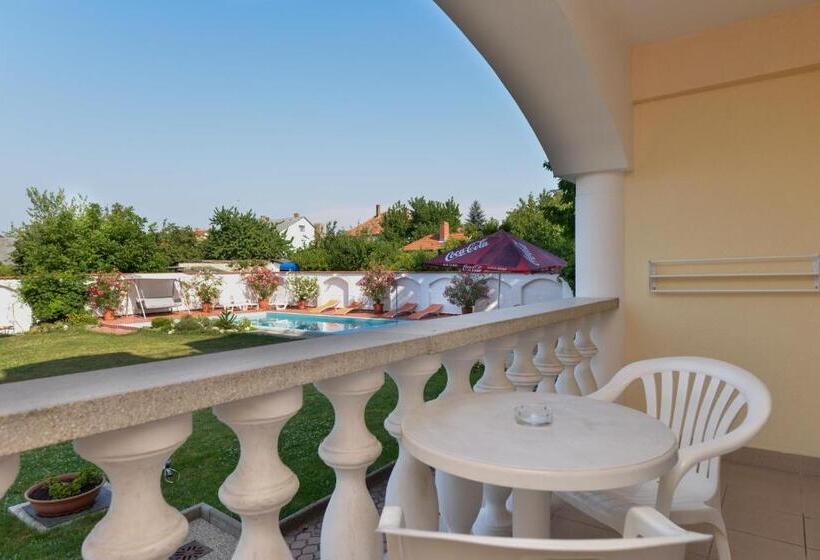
{"x": 590, "y": 445}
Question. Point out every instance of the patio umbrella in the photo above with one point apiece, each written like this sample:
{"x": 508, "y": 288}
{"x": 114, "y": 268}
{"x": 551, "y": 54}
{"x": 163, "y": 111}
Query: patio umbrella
{"x": 500, "y": 252}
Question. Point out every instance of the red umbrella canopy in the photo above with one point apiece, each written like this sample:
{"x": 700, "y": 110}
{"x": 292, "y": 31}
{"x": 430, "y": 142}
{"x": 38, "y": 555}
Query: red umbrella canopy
{"x": 500, "y": 252}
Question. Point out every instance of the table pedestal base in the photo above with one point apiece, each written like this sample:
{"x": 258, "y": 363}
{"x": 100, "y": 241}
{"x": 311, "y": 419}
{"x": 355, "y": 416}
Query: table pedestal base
{"x": 494, "y": 520}
{"x": 531, "y": 514}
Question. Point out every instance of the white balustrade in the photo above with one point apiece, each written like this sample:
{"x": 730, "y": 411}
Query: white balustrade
{"x": 139, "y": 524}
{"x": 586, "y": 348}
{"x": 9, "y": 465}
{"x": 351, "y": 518}
{"x": 569, "y": 357}
{"x": 411, "y": 483}
{"x": 522, "y": 373}
{"x": 459, "y": 499}
{"x": 546, "y": 361}
{"x": 261, "y": 484}
{"x": 132, "y": 440}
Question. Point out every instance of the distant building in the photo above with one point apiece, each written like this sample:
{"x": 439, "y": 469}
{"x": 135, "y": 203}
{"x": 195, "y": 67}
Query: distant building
{"x": 298, "y": 229}
{"x": 434, "y": 242}
{"x": 373, "y": 226}
{"x": 6, "y": 248}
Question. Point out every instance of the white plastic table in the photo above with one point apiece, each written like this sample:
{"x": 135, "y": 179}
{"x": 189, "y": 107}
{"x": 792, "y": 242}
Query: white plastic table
{"x": 590, "y": 445}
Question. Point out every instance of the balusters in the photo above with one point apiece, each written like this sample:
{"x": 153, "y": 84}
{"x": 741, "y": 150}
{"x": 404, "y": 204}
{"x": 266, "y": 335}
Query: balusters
{"x": 411, "y": 483}
{"x": 585, "y": 346}
{"x": 261, "y": 484}
{"x": 546, "y": 361}
{"x": 9, "y": 465}
{"x": 569, "y": 357}
{"x": 495, "y": 361}
{"x": 459, "y": 499}
{"x": 494, "y": 518}
{"x": 522, "y": 373}
{"x": 139, "y": 524}
{"x": 351, "y": 518}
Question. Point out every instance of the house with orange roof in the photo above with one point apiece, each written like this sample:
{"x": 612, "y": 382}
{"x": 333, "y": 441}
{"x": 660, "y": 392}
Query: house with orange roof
{"x": 373, "y": 226}
{"x": 435, "y": 241}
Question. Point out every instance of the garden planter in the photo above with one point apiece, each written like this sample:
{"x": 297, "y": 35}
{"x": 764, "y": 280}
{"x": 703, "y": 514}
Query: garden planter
{"x": 264, "y": 305}
{"x": 37, "y": 495}
{"x": 466, "y": 309}
{"x": 207, "y": 307}
{"x": 108, "y": 315}
{"x": 301, "y": 304}
{"x": 378, "y": 308}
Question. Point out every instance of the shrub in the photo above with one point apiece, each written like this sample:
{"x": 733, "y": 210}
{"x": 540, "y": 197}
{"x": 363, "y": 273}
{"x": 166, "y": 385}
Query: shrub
{"x": 226, "y": 321}
{"x": 88, "y": 477}
{"x": 466, "y": 289}
{"x": 206, "y": 285}
{"x": 107, "y": 291}
{"x": 191, "y": 324}
{"x": 81, "y": 318}
{"x": 304, "y": 288}
{"x": 8, "y": 271}
{"x": 377, "y": 282}
{"x": 162, "y": 324}
{"x": 262, "y": 281}
{"x": 53, "y": 296}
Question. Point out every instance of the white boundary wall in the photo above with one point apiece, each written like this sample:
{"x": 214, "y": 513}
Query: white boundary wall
{"x": 12, "y": 309}
{"x": 422, "y": 288}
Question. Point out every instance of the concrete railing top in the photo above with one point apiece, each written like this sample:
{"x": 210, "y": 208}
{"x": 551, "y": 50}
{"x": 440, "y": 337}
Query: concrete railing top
{"x": 51, "y": 410}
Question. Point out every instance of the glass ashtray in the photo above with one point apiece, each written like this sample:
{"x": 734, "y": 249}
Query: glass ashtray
{"x": 538, "y": 414}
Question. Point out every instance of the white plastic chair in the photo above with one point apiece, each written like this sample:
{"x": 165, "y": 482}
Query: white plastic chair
{"x": 648, "y": 536}
{"x": 700, "y": 399}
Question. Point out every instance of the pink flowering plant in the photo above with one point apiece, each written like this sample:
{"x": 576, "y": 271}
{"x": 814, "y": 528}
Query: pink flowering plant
{"x": 107, "y": 291}
{"x": 262, "y": 281}
{"x": 376, "y": 283}
{"x": 466, "y": 289}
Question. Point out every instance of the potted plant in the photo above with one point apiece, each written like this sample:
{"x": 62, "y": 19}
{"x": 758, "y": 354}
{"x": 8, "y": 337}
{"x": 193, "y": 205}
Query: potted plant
{"x": 465, "y": 290}
{"x": 376, "y": 284}
{"x": 207, "y": 286}
{"x": 106, "y": 292}
{"x": 66, "y": 493}
{"x": 303, "y": 289}
{"x": 263, "y": 282}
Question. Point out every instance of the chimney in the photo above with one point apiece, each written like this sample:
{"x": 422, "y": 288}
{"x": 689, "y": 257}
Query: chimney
{"x": 296, "y": 214}
{"x": 378, "y": 210}
{"x": 444, "y": 231}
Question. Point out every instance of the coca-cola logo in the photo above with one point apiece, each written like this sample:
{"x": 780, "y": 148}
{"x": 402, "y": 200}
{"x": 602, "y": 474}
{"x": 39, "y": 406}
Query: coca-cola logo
{"x": 525, "y": 251}
{"x": 466, "y": 250}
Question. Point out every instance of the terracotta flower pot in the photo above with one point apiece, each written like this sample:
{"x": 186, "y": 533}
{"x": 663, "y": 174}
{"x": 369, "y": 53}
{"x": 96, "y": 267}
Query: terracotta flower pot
{"x": 378, "y": 308}
{"x": 301, "y": 304}
{"x": 108, "y": 315}
{"x": 466, "y": 309}
{"x": 66, "y": 506}
{"x": 207, "y": 307}
{"x": 264, "y": 305}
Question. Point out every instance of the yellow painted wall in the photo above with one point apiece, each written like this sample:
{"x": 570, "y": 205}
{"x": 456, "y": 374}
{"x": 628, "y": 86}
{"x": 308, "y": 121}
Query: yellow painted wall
{"x": 732, "y": 170}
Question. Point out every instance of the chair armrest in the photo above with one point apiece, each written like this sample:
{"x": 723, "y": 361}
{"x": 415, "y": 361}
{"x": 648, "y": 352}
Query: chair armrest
{"x": 644, "y": 521}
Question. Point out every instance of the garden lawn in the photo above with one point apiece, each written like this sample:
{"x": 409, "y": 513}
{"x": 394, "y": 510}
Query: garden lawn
{"x": 203, "y": 461}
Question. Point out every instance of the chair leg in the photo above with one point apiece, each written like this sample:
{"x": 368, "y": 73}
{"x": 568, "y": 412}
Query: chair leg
{"x": 721, "y": 541}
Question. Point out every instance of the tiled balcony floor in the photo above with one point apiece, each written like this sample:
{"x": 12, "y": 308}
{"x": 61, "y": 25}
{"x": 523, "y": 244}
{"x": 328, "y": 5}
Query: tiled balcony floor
{"x": 771, "y": 515}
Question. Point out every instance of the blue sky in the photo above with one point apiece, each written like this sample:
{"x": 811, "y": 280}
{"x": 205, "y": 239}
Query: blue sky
{"x": 319, "y": 107}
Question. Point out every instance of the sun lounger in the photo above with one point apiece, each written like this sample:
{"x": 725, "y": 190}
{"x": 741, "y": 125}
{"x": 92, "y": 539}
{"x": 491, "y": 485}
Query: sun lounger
{"x": 355, "y": 305}
{"x": 429, "y": 311}
{"x": 329, "y": 304}
{"x": 403, "y": 310}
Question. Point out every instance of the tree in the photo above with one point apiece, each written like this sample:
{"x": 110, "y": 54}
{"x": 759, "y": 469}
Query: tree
{"x": 403, "y": 223}
{"x": 74, "y": 235}
{"x": 236, "y": 235}
{"x": 548, "y": 220}
{"x": 475, "y": 216}
{"x": 178, "y": 244}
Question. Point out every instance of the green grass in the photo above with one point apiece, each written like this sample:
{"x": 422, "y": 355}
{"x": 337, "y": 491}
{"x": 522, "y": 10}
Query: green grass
{"x": 203, "y": 461}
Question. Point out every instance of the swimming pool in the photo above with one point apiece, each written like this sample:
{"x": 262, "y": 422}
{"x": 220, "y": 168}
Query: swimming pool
{"x": 308, "y": 324}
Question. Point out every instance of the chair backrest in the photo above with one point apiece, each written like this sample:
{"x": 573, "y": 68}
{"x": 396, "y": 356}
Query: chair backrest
{"x": 651, "y": 537}
{"x": 701, "y": 400}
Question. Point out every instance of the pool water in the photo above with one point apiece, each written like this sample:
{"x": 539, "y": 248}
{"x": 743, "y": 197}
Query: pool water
{"x": 314, "y": 324}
